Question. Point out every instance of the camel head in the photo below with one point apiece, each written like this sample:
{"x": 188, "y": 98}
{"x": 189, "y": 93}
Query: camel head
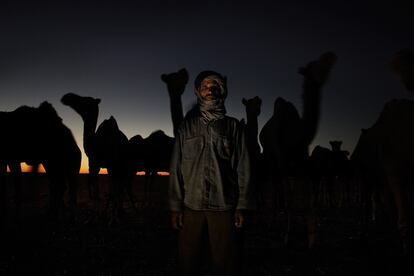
{"x": 402, "y": 64}
{"x": 253, "y": 106}
{"x": 86, "y": 107}
{"x": 335, "y": 145}
{"x": 317, "y": 72}
{"x": 176, "y": 81}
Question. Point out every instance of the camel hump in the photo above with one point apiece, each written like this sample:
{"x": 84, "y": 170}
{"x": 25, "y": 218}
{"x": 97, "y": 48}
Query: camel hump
{"x": 47, "y": 111}
{"x": 159, "y": 136}
{"x": 136, "y": 139}
{"x": 319, "y": 150}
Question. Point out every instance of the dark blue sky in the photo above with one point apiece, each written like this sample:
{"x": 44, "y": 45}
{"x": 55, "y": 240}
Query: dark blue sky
{"x": 117, "y": 51}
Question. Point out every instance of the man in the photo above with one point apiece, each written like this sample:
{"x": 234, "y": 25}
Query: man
{"x": 209, "y": 181}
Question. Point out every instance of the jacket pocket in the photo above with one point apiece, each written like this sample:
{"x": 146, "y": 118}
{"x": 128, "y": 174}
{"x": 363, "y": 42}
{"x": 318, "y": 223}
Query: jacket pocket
{"x": 224, "y": 147}
{"x": 192, "y": 147}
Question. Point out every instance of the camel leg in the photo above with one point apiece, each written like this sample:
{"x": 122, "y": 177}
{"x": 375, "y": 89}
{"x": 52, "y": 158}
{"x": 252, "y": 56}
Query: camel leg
{"x": 147, "y": 188}
{"x": 3, "y": 192}
{"x": 311, "y": 221}
{"x": 287, "y": 191}
{"x": 93, "y": 186}
{"x": 16, "y": 173}
{"x": 286, "y": 236}
{"x": 151, "y": 186}
{"x": 115, "y": 203}
{"x": 130, "y": 193}
{"x": 73, "y": 192}
{"x": 396, "y": 187}
{"x": 56, "y": 192}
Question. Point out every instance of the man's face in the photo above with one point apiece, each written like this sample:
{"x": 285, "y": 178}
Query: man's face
{"x": 209, "y": 89}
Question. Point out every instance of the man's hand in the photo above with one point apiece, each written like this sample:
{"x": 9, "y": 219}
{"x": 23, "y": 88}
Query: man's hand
{"x": 238, "y": 219}
{"x": 177, "y": 220}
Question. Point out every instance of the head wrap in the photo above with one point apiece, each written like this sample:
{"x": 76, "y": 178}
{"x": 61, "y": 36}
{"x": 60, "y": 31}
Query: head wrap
{"x": 211, "y": 110}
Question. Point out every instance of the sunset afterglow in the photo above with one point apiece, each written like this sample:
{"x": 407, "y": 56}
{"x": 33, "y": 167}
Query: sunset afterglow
{"x": 83, "y": 170}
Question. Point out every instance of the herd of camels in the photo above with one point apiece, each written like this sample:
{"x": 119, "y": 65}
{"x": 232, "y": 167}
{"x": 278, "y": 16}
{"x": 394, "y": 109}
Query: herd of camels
{"x": 382, "y": 159}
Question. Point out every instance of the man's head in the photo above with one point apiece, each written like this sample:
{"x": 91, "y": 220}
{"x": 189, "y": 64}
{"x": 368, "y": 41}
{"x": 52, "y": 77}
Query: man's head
{"x": 210, "y": 85}
{"x": 211, "y": 91}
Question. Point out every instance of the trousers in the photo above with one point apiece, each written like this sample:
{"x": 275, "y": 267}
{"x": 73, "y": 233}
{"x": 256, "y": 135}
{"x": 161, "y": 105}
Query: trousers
{"x": 209, "y": 239}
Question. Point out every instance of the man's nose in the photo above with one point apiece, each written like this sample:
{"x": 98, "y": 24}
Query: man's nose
{"x": 213, "y": 90}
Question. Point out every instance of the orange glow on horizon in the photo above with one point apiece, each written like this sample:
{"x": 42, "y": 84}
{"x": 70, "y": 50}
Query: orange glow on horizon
{"x": 163, "y": 173}
{"x": 26, "y": 168}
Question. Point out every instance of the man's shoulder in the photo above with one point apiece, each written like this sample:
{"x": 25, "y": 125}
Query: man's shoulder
{"x": 233, "y": 121}
{"x": 188, "y": 122}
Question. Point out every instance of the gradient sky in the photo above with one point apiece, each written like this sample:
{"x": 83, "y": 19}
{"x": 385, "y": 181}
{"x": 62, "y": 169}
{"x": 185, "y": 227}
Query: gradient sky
{"x": 117, "y": 51}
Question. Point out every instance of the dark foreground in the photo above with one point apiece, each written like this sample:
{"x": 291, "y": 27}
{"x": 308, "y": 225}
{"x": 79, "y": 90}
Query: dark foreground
{"x": 142, "y": 243}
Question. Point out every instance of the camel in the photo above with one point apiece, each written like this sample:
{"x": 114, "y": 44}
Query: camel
{"x": 107, "y": 147}
{"x": 112, "y": 152}
{"x": 36, "y": 135}
{"x": 330, "y": 172}
{"x": 322, "y": 175}
{"x": 286, "y": 137}
{"x": 342, "y": 174}
{"x": 88, "y": 109}
{"x": 253, "y": 109}
{"x": 384, "y": 153}
{"x": 152, "y": 155}
{"x": 176, "y": 83}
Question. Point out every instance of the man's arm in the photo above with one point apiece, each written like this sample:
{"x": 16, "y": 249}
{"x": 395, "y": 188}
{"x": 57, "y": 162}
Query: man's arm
{"x": 243, "y": 171}
{"x": 175, "y": 188}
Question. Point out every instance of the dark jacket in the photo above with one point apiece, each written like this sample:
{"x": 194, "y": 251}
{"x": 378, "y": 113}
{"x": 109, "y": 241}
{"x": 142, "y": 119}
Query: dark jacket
{"x": 210, "y": 167}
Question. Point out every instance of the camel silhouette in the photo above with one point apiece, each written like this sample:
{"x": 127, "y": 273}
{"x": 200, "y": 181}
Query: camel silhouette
{"x": 107, "y": 147}
{"x": 36, "y": 135}
{"x": 253, "y": 109}
{"x": 176, "y": 83}
{"x": 322, "y": 175}
{"x": 285, "y": 139}
{"x": 385, "y": 151}
{"x": 345, "y": 188}
{"x": 88, "y": 109}
{"x": 152, "y": 155}
{"x": 330, "y": 172}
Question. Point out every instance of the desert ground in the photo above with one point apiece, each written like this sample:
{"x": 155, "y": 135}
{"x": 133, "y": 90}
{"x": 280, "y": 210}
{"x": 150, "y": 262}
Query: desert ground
{"x": 142, "y": 242}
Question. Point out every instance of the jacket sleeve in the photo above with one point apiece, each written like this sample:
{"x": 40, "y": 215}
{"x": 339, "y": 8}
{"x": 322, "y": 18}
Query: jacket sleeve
{"x": 245, "y": 200}
{"x": 175, "y": 188}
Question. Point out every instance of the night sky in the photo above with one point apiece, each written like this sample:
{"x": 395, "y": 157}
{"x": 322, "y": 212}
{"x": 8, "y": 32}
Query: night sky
{"x": 117, "y": 51}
